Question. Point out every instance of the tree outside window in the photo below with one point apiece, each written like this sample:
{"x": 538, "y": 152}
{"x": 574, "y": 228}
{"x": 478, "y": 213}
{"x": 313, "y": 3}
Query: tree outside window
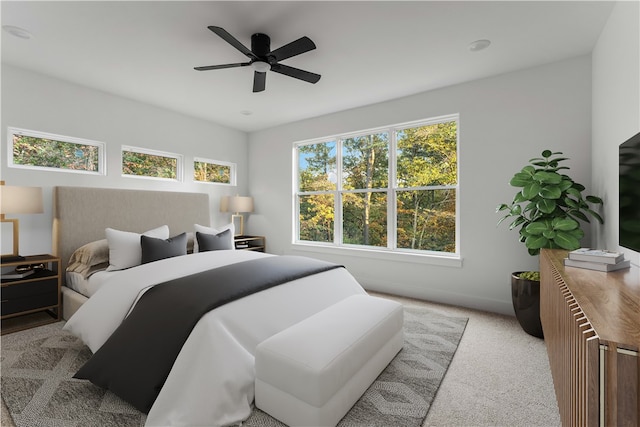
{"x": 140, "y": 162}
{"x": 214, "y": 171}
{"x": 393, "y": 188}
{"x": 32, "y": 149}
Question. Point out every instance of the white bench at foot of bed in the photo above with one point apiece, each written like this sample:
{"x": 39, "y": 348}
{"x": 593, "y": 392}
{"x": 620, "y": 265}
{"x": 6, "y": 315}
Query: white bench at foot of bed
{"x": 312, "y": 373}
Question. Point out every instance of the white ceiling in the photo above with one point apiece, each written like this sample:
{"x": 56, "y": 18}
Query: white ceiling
{"x": 367, "y": 51}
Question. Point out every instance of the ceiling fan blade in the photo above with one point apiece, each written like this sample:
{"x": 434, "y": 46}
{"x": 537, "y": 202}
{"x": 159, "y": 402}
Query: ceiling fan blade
{"x": 259, "y": 81}
{"x": 302, "y": 45}
{"x": 219, "y": 67}
{"x": 232, "y": 41}
{"x": 296, "y": 73}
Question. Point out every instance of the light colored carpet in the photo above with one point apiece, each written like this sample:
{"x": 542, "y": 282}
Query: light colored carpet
{"x": 499, "y": 376}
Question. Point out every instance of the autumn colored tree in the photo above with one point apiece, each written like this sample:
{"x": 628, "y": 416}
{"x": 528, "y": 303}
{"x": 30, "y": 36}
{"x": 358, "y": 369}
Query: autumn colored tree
{"x": 210, "y": 172}
{"x": 50, "y": 153}
{"x": 143, "y": 164}
{"x": 424, "y": 188}
{"x": 426, "y": 158}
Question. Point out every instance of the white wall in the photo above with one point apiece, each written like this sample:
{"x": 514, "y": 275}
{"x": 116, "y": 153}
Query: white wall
{"x": 504, "y": 121}
{"x": 37, "y": 102}
{"x": 616, "y": 110}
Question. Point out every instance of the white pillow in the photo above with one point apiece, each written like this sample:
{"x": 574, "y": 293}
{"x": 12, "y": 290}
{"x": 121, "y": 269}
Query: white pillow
{"x": 210, "y": 230}
{"x": 124, "y": 246}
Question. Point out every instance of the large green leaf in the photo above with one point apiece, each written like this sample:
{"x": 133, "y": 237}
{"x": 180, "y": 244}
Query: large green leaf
{"x": 579, "y": 215}
{"x": 520, "y": 179}
{"x": 531, "y": 190}
{"x": 573, "y": 192}
{"x": 537, "y": 228}
{"x": 517, "y": 222}
{"x": 596, "y": 216}
{"x": 536, "y": 242}
{"x": 530, "y": 206}
{"x": 566, "y": 241}
{"x": 564, "y": 224}
{"x": 547, "y": 177}
{"x": 594, "y": 199}
{"x": 565, "y": 184}
{"x": 519, "y": 198}
{"x": 571, "y": 203}
{"x": 546, "y": 205}
{"x": 550, "y": 192}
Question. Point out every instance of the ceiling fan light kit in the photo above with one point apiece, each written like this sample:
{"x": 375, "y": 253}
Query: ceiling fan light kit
{"x": 262, "y": 59}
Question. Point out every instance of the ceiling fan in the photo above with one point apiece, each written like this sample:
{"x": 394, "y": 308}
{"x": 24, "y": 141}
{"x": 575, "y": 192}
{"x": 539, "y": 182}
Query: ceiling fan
{"x": 262, "y": 59}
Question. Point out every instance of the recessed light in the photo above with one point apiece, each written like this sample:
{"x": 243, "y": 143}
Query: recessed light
{"x": 246, "y": 112}
{"x": 17, "y": 32}
{"x": 479, "y": 45}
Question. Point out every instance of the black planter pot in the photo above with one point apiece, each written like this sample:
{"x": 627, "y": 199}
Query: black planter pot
{"x": 525, "y": 295}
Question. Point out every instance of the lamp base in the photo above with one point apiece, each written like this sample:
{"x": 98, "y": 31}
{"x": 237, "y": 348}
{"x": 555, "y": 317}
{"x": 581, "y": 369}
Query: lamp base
{"x": 240, "y": 227}
{"x": 12, "y": 258}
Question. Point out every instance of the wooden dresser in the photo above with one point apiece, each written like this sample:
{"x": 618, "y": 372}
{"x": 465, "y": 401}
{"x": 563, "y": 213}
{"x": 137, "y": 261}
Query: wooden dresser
{"x": 591, "y": 323}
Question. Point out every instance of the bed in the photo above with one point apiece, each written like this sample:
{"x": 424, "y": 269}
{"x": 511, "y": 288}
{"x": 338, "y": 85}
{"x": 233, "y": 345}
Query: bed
{"x": 212, "y": 379}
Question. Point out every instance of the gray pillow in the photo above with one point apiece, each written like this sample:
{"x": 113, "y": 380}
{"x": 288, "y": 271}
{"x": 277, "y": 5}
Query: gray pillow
{"x": 156, "y": 249}
{"x": 214, "y": 242}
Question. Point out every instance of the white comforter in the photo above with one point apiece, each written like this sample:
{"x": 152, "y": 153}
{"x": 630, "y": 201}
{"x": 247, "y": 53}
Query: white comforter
{"x": 212, "y": 380}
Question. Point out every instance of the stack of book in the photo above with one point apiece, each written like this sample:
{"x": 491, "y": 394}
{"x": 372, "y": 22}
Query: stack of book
{"x": 596, "y": 259}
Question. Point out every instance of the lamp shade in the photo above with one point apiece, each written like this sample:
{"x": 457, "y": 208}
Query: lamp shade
{"x": 20, "y": 200}
{"x": 240, "y": 204}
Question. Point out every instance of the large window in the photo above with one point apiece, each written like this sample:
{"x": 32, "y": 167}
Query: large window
{"x": 141, "y": 162}
{"x": 393, "y": 188}
{"x": 38, "y": 150}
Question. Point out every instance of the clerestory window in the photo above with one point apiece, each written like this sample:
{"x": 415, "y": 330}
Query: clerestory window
{"x": 40, "y": 150}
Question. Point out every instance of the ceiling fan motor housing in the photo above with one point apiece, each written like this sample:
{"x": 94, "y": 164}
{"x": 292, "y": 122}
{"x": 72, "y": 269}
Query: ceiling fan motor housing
{"x": 260, "y": 45}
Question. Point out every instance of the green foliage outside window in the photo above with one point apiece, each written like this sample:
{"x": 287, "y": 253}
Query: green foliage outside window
{"x": 426, "y": 157}
{"x": 317, "y": 166}
{"x": 149, "y": 165}
{"x": 211, "y": 172}
{"x": 364, "y": 219}
{"x": 424, "y": 188}
{"x": 317, "y": 217}
{"x": 50, "y": 153}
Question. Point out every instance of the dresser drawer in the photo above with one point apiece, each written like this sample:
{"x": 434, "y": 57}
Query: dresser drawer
{"x": 29, "y": 296}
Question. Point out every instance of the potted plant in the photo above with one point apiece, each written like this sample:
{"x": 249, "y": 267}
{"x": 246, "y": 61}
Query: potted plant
{"x": 546, "y": 211}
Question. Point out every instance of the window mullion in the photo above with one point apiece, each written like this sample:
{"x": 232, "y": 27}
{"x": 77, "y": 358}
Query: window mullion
{"x": 337, "y": 200}
{"x": 391, "y": 193}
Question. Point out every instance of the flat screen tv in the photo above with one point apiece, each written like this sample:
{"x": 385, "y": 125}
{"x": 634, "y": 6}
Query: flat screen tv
{"x": 629, "y": 232}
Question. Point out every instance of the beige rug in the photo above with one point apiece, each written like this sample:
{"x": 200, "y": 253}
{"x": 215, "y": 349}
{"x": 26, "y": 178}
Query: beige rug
{"x": 38, "y": 388}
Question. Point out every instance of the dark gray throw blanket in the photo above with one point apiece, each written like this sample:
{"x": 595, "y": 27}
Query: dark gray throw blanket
{"x": 136, "y": 360}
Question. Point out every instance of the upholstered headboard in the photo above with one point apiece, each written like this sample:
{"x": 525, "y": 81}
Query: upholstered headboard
{"x": 81, "y": 214}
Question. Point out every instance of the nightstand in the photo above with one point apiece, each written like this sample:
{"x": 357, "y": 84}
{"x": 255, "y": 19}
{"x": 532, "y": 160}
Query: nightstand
{"x": 32, "y": 300}
{"x": 250, "y": 243}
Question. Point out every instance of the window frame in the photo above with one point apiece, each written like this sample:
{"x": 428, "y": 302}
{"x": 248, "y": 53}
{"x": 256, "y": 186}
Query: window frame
{"x": 233, "y": 174}
{"x": 102, "y": 157}
{"x": 140, "y": 150}
{"x": 391, "y": 249}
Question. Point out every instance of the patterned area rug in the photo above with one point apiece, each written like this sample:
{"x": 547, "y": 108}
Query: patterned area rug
{"x": 38, "y": 388}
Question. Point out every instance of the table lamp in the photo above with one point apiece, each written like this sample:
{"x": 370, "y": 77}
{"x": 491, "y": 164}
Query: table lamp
{"x": 239, "y": 205}
{"x": 18, "y": 200}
